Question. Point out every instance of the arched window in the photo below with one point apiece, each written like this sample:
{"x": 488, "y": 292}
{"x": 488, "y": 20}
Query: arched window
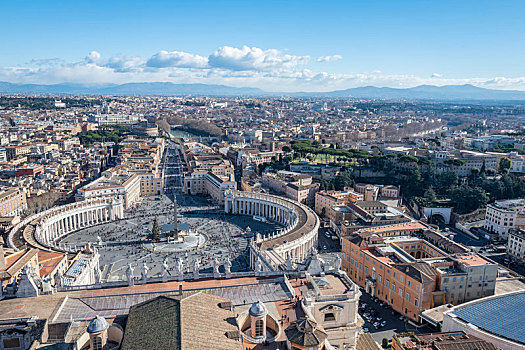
{"x": 259, "y": 328}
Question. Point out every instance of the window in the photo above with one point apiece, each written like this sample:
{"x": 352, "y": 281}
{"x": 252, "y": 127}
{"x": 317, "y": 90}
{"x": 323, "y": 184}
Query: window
{"x": 400, "y": 292}
{"x": 97, "y": 343}
{"x": 329, "y": 317}
{"x": 401, "y": 278}
{"x": 394, "y": 287}
{"x": 394, "y": 274}
{"x": 416, "y": 302}
{"x": 259, "y": 328}
{"x": 407, "y": 296}
{"x": 409, "y": 283}
{"x": 387, "y": 283}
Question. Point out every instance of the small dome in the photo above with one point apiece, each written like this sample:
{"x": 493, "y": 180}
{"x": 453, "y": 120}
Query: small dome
{"x": 98, "y": 324}
{"x": 258, "y": 309}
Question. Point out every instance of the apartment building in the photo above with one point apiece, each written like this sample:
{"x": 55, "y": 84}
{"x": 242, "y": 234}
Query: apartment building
{"x": 327, "y": 199}
{"x": 389, "y": 273}
{"x": 277, "y": 182}
{"x": 515, "y": 244}
{"x": 13, "y": 152}
{"x": 151, "y": 185}
{"x": 215, "y": 186}
{"x": 502, "y": 216}
{"x": 12, "y": 202}
{"x": 302, "y": 193}
{"x": 124, "y": 185}
{"x": 466, "y": 278}
{"x": 411, "y": 274}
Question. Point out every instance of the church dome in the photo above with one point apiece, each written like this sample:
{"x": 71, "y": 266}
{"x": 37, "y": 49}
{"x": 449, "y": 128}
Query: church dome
{"x": 258, "y": 309}
{"x": 98, "y": 324}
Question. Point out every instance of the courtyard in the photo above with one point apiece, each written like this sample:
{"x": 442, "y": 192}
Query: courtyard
{"x": 127, "y": 241}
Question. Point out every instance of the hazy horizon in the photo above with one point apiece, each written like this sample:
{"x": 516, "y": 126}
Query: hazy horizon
{"x": 273, "y": 46}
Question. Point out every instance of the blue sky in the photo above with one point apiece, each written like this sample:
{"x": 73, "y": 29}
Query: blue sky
{"x": 275, "y": 45}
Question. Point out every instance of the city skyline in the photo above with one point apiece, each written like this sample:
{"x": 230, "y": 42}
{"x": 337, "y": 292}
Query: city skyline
{"x": 272, "y": 46}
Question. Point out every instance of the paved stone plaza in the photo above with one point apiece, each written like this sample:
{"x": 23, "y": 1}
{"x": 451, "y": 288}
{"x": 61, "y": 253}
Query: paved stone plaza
{"x": 125, "y": 241}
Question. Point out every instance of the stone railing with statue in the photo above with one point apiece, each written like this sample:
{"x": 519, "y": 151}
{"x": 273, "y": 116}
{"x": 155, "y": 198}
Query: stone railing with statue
{"x": 180, "y": 271}
{"x": 43, "y": 230}
{"x": 301, "y": 224}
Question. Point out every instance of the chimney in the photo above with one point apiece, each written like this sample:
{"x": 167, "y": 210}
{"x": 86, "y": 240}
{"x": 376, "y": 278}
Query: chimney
{"x": 180, "y": 289}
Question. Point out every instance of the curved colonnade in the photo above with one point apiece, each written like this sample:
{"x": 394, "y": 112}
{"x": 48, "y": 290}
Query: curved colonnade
{"x": 297, "y": 238}
{"x": 46, "y": 228}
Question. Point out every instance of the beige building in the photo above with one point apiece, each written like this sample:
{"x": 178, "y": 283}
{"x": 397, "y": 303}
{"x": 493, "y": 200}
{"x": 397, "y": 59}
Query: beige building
{"x": 215, "y": 186}
{"x": 327, "y": 199}
{"x": 12, "y": 202}
{"x": 125, "y": 185}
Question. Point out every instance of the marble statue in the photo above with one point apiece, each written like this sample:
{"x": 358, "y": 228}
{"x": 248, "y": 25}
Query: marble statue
{"x": 180, "y": 269}
{"x": 215, "y": 268}
{"x": 144, "y": 272}
{"x": 98, "y": 277}
{"x": 165, "y": 268}
{"x": 338, "y": 262}
{"x": 196, "y": 269}
{"x": 227, "y": 266}
{"x": 129, "y": 275}
{"x": 289, "y": 264}
{"x": 258, "y": 265}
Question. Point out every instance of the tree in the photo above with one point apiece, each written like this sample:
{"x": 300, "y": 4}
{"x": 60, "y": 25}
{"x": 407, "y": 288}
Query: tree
{"x": 468, "y": 199}
{"x": 155, "y": 230}
{"x": 286, "y": 149}
{"x": 504, "y": 165}
{"x": 430, "y": 194}
{"x": 447, "y": 181}
{"x": 342, "y": 180}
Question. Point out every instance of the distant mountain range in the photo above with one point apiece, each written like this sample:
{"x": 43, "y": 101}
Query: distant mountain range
{"x": 422, "y": 92}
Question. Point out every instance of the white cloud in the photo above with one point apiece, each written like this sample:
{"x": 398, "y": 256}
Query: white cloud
{"x": 125, "y": 63}
{"x": 253, "y": 58}
{"x": 329, "y": 58}
{"x": 271, "y": 70}
{"x": 92, "y": 57}
{"x": 179, "y": 59}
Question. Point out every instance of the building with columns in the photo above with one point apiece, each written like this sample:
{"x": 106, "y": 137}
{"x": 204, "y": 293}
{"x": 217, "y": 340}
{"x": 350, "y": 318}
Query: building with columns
{"x": 300, "y": 223}
{"x": 43, "y": 230}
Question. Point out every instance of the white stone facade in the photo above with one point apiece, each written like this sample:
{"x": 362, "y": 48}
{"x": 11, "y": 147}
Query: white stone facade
{"x": 297, "y": 238}
{"x": 59, "y": 221}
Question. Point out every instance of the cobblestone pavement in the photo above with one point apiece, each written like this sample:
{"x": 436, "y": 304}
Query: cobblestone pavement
{"x": 123, "y": 239}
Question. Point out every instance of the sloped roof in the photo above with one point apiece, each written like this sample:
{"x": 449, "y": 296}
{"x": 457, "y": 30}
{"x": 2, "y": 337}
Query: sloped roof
{"x": 195, "y": 322}
{"x": 304, "y": 332}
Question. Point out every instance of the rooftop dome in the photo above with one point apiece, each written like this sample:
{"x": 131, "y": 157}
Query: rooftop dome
{"x": 258, "y": 309}
{"x": 305, "y": 332}
{"x": 98, "y": 324}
